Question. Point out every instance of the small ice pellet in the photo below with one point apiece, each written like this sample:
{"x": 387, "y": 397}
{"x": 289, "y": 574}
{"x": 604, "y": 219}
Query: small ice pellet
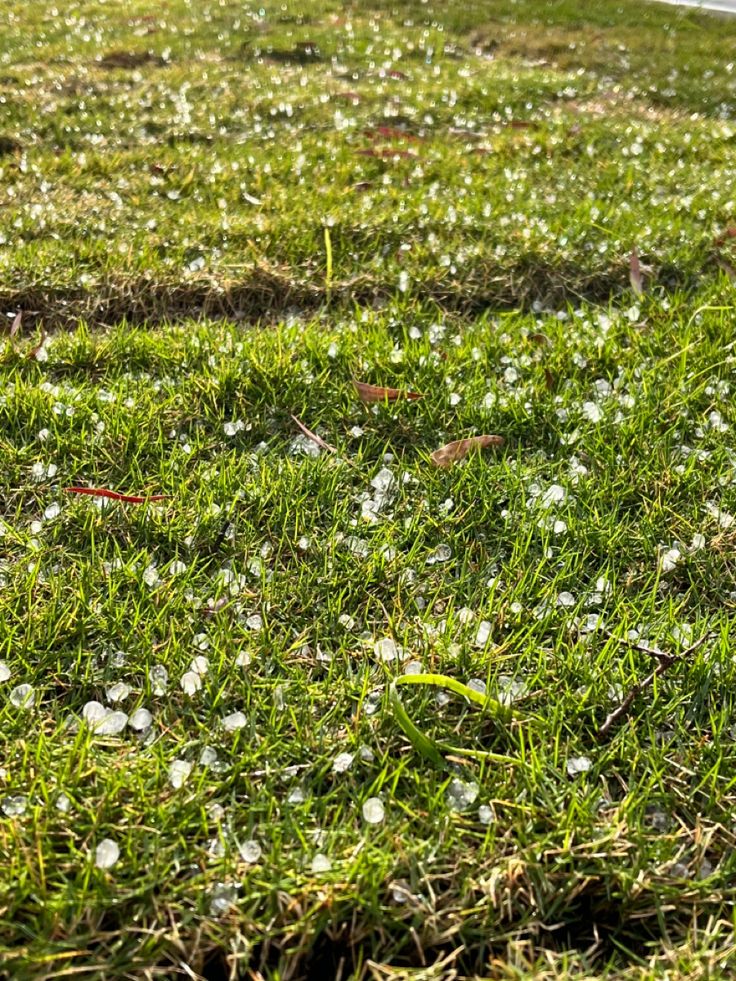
{"x": 118, "y": 692}
{"x": 14, "y": 806}
{"x": 23, "y": 697}
{"x": 578, "y": 764}
{"x": 342, "y": 762}
{"x": 4, "y": 671}
{"x": 485, "y": 814}
{"x": 222, "y": 897}
{"x": 140, "y": 720}
{"x": 373, "y": 810}
{"x": 179, "y": 772}
{"x": 208, "y": 756}
{"x": 443, "y": 553}
{"x": 234, "y": 721}
{"x": 461, "y": 795}
{"x": 321, "y": 864}
{"x": 191, "y": 682}
{"x": 158, "y": 677}
{"x": 591, "y": 623}
{"x": 250, "y": 851}
{"x": 112, "y": 724}
{"x": 483, "y": 634}
{"x": 215, "y": 811}
{"x": 199, "y": 665}
{"x": 52, "y": 511}
{"x": 106, "y": 854}
{"x": 592, "y": 411}
{"x": 669, "y": 559}
{"x": 555, "y": 494}
{"x": 384, "y": 481}
{"x": 387, "y": 649}
{"x": 93, "y": 713}
{"x": 63, "y": 803}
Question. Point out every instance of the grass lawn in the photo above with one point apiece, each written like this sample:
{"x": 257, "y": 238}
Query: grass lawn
{"x": 328, "y": 709}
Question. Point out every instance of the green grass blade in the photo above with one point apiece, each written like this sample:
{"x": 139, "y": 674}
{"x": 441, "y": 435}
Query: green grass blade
{"x": 490, "y": 705}
{"x": 421, "y": 743}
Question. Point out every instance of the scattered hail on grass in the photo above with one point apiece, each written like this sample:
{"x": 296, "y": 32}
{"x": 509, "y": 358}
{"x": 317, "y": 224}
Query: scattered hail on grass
{"x": 428, "y": 187}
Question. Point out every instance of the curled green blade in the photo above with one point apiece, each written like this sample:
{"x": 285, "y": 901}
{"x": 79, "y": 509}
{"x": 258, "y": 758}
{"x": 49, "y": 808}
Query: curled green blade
{"x": 429, "y": 748}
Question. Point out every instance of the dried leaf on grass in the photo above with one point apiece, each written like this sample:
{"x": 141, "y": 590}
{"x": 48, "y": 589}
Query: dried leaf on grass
{"x": 730, "y": 232}
{"x": 459, "y": 449}
{"x": 635, "y": 275}
{"x": 391, "y": 133}
{"x": 17, "y": 321}
{"x": 114, "y": 496}
{"x": 375, "y": 393}
{"x": 36, "y": 350}
{"x": 387, "y": 153}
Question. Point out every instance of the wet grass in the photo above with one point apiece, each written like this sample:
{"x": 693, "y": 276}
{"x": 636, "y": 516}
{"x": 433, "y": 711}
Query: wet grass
{"x": 187, "y": 193}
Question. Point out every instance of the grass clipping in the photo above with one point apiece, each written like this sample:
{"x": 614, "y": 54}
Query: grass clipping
{"x": 431, "y": 750}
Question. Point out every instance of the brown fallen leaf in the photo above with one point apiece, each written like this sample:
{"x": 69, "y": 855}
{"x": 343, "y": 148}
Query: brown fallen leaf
{"x": 17, "y": 321}
{"x": 730, "y": 232}
{"x": 635, "y": 276}
{"x": 114, "y": 496}
{"x": 391, "y": 133}
{"x": 375, "y": 393}
{"x": 459, "y": 449}
{"x": 387, "y": 153}
{"x": 36, "y": 350}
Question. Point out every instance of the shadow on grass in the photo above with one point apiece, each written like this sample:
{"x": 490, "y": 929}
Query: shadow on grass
{"x": 267, "y": 293}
